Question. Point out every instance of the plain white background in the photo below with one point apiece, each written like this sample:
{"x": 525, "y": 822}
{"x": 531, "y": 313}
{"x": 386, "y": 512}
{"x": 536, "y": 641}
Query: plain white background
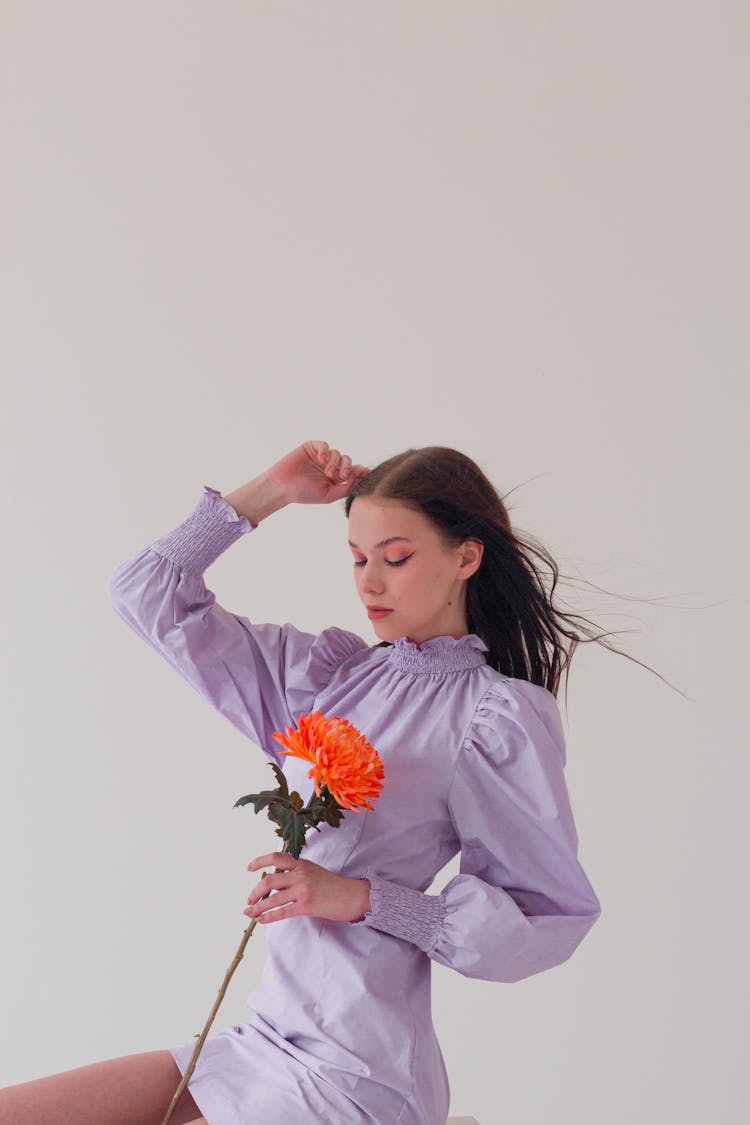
{"x": 517, "y": 229}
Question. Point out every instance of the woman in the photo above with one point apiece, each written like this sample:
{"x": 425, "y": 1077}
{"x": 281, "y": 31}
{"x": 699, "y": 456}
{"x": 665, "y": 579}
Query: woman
{"x": 459, "y": 700}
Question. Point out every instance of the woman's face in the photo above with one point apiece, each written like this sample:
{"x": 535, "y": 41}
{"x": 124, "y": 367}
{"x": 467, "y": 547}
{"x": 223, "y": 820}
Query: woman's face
{"x": 414, "y": 575}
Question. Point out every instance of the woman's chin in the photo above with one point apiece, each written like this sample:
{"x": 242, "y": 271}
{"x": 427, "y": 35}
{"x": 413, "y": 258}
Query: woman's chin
{"x": 384, "y": 626}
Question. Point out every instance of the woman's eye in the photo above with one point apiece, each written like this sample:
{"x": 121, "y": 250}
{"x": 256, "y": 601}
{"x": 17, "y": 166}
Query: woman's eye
{"x": 399, "y": 563}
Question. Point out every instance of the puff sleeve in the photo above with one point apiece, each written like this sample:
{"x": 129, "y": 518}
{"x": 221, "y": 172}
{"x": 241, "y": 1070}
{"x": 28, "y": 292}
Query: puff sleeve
{"x": 259, "y": 676}
{"x": 521, "y": 903}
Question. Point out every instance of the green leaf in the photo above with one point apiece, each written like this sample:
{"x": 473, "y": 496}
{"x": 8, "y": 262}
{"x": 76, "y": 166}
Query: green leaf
{"x": 292, "y": 816}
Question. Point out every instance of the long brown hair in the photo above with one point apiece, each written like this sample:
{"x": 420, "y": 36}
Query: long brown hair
{"x": 507, "y": 602}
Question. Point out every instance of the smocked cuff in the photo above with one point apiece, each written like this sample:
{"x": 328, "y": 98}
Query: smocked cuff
{"x": 209, "y": 530}
{"x": 403, "y": 912}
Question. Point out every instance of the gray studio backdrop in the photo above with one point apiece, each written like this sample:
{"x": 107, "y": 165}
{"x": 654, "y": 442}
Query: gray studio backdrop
{"x": 519, "y": 230}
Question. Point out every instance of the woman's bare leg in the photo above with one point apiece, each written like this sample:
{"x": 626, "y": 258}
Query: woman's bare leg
{"x": 129, "y": 1090}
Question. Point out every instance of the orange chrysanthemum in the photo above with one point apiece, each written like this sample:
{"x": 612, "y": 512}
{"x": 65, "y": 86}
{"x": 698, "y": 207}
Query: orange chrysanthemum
{"x": 342, "y": 758}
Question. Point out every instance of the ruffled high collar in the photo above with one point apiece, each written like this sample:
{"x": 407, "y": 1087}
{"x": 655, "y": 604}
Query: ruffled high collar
{"x": 438, "y": 654}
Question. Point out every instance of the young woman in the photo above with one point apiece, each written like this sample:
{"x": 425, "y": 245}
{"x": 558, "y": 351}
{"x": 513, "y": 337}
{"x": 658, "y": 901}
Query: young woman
{"x": 459, "y": 699}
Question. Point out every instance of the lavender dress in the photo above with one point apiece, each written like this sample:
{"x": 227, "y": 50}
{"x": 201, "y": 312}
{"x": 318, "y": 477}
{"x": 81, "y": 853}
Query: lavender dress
{"x": 340, "y": 1025}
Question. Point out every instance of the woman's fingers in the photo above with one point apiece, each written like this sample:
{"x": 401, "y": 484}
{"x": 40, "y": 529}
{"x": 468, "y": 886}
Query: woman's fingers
{"x": 261, "y": 900}
{"x": 338, "y": 466}
{"x": 334, "y": 460}
{"x": 272, "y": 911}
{"x": 326, "y": 457}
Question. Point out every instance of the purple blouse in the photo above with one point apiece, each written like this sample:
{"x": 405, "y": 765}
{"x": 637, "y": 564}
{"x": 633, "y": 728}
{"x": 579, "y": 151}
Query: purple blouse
{"x": 473, "y": 762}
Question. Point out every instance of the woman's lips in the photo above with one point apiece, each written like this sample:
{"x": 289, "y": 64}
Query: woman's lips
{"x": 378, "y": 612}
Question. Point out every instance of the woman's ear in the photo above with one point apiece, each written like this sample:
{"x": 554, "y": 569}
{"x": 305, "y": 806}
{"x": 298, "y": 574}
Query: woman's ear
{"x": 471, "y": 557}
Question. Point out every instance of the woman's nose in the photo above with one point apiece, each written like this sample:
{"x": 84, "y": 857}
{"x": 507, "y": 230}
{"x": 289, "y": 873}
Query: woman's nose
{"x": 369, "y": 583}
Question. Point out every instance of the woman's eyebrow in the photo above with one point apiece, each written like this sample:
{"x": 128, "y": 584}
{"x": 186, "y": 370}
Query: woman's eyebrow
{"x": 385, "y": 542}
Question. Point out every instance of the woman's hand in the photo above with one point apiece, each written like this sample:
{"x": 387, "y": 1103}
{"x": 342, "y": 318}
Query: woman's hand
{"x": 304, "y": 887}
{"x": 313, "y": 473}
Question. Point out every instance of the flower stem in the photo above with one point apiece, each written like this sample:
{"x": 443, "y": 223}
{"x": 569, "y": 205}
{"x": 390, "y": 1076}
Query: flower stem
{"x": 201, "y": 1039}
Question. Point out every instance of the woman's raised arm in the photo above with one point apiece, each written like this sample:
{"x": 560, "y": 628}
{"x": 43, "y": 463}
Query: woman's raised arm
{"x": 259, "y": 676}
